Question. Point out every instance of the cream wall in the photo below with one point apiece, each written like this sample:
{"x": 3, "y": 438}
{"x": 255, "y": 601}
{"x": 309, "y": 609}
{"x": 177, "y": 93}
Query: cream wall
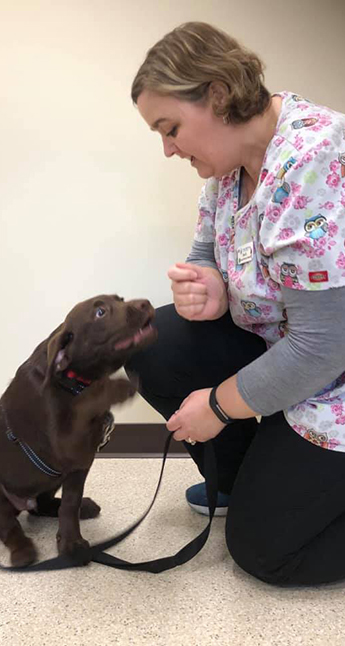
{"x": 88, "y": 202}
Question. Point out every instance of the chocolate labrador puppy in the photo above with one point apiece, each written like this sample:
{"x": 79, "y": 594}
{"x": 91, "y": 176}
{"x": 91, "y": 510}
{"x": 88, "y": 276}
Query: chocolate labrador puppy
{"x": 53, "y": 417}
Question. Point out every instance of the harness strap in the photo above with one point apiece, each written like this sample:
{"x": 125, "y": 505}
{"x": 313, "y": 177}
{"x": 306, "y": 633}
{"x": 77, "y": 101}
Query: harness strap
{"x": 28, "y": 450}
{"x": 34, "y": 457}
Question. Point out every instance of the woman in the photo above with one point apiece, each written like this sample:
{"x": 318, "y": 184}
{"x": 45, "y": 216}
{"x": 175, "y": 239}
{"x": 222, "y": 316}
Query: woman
{"x": 257, "y": 325}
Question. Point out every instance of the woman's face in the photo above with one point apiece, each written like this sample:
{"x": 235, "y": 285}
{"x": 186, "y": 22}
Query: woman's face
{"x": 193, "y": 131}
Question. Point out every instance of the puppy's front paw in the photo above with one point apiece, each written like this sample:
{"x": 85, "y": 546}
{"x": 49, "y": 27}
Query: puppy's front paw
{"x": 121, "y": 390}
{"x": 76, "y": 550}
{"x": 24, "y": 555}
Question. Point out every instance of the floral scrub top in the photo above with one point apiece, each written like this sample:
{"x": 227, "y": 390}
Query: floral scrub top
{"x": 291, "y": 233}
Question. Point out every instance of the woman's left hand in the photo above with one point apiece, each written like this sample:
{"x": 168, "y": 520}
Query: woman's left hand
{"x": 195, "y": 419}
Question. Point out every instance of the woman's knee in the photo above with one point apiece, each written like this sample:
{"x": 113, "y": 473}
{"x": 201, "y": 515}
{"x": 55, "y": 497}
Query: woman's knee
{"x": 260, "y": 555}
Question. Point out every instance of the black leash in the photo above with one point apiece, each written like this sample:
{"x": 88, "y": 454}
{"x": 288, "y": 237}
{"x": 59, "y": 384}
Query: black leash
{"x": 98, "y": 551}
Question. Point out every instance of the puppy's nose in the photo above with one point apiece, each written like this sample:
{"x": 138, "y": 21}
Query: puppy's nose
{"x": 139, "y": 311}
{"x": 141, "y": 304}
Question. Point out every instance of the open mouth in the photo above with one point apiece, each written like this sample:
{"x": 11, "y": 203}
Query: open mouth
{"x": 143, "y": 333}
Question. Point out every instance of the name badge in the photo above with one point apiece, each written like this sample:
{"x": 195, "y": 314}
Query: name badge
{"x": 245, "y": 253}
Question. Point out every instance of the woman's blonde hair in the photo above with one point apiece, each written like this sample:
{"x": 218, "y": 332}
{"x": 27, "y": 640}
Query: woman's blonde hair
{"x": 186, "y": 61}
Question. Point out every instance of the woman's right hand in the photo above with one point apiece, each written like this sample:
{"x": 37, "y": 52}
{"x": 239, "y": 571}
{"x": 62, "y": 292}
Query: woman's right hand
{"x": 199, "y": 292}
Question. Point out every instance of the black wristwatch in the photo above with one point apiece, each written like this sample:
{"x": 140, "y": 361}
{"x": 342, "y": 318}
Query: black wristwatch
{"x": 217, "y": 409}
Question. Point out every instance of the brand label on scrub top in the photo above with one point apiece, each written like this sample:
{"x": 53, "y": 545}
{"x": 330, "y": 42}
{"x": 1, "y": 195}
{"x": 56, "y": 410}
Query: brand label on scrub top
{"x": 318, "y": 276}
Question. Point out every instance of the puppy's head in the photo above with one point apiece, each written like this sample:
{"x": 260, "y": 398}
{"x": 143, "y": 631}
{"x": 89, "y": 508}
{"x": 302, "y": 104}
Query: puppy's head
{"x": 99, "y": 335}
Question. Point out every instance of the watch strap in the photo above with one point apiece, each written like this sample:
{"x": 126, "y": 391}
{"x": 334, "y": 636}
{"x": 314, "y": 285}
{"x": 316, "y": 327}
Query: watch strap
{"x": 217, "y": 409}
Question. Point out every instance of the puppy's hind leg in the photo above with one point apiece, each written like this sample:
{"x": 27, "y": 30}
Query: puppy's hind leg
{"x": 22, "y": 549}
{"x": 48, "y": 505}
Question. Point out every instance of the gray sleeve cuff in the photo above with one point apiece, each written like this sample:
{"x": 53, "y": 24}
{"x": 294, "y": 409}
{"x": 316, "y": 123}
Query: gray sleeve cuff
{"x": 202, "y": 253}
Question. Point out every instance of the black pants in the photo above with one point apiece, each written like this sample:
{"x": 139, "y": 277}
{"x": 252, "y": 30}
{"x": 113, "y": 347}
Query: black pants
{"x": 286, "y": 518}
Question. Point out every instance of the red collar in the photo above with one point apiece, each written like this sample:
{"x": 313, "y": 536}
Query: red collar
{"x": 73, "y": 375}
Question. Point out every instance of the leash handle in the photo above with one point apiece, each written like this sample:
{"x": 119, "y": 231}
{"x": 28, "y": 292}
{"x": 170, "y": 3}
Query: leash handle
{"x": 99, "y": 555}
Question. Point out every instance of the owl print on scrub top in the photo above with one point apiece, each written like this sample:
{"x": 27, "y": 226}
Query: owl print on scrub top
{"x": 290, "y": 235}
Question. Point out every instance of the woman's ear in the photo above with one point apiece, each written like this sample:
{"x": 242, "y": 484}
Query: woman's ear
{"x": 58, "y": 352}
{"x": 219, "y": 96}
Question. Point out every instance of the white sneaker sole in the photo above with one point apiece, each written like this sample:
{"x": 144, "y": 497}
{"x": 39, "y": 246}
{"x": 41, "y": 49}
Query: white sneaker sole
{"x": 219, "y": 511}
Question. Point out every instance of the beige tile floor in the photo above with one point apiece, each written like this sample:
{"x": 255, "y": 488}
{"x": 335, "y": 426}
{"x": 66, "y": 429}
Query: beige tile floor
{"x": 207, "y": 602}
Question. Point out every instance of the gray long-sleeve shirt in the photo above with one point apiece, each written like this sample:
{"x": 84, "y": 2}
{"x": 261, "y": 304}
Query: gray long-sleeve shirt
{"x": 308, "y": 358}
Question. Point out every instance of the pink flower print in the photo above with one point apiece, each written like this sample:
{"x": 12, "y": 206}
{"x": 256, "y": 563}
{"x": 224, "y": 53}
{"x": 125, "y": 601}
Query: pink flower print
{"x": 334, "y": 166}
{"x": 299, "y": 428}
{"x": 307, "y": 158}
{"x": 226, "y": 181}
{"x": 238, "y": 282}
{"x": 332, "y": 180}
{"x": 220, "y": 202}
{"x": 338, "y": 412}
{"x": 203, "y": 213}
{"x": 273, "y": 289}
{"x": 337, "y": 409}
{"x": 324, "y": 120}
{"x": 306, "y": 247}
{"x": 278, "y": 141}
{"x": 286, "y": 203}
{"x": 264, "y": 174}
{"x": 259, "y": 279}
{"x": 298, "y": 142}
{"x": 243, "y": 221}
{"x": 270, "y": 179}
{"x": 223, "y": 239}
{"x": 285, "y": 234}
{"x": 342, "y": 199}
{"x": 295, "y": 188}
{"x": 332, "y": 228}
{"x": 300, "y": 245}
{"x": 301, "y": 202}
{"x": 341, "y": 261}
{"x": 333, "y": 443}
{"x": 327, "y": 205}
{"x": 259, "y": 328}
{"x": 273, "y": 212}
{"x": 266, "y": 309}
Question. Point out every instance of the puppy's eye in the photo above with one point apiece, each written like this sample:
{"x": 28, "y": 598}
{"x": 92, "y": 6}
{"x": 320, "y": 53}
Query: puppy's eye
{"x": 100, "y": 312}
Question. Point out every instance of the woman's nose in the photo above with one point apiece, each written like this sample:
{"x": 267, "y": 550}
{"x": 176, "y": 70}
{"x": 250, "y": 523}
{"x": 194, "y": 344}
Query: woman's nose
{"x": 169, "y": 147}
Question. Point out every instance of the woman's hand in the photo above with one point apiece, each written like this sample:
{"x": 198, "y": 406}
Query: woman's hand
{"x": 195, "y": 419}
{"x": 199, "y": 292}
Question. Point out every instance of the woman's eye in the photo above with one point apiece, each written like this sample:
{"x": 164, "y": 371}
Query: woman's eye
{"x": 173, "y": 132}
{"x": 100, "y": 312}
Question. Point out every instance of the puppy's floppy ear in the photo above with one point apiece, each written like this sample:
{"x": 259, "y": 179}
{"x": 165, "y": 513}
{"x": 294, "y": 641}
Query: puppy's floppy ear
{"x": 58, "y": 356}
